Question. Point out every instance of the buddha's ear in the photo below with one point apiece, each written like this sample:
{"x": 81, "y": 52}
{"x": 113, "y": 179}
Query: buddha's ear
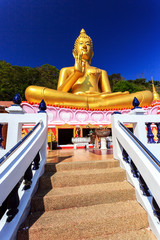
{"x": 74, "y": 53}
{"x": 91, "y": 57}
{"x": 92, "y": 54}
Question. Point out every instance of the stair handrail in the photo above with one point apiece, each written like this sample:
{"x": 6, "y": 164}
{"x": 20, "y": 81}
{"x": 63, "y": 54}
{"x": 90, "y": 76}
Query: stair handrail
{"x": 26, "y": 158}
{"x": 138, "y": 153}
{"x": 8, "y": 154}
{"x": 151, "y": 155}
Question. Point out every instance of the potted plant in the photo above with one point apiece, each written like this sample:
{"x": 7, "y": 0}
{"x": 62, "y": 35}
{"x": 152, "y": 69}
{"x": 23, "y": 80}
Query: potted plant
{"x": 54, "y": 145}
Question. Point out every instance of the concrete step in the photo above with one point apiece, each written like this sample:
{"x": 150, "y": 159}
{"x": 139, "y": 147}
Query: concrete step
{"x": 81, "y": 177}
{"x": 80, "y": 196}
{"x": 67, "y": 166}
{"x": 85, "y": 222}
{"x": 143, "y": 234}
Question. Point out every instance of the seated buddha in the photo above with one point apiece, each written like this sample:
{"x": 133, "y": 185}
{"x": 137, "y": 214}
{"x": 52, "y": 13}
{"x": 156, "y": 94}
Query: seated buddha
{"x": 89, "y": 85}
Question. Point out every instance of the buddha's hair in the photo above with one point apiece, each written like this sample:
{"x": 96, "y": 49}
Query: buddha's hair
{"x": 84, "y": 35}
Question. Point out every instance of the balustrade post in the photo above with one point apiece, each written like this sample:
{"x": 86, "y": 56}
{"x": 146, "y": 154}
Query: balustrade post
{"x": 150, "y": 135}
{"x": 36, "y": 162}
{"x": 134, "y": 169}
{"x": 156, "y": 209}
{"x": 27, "y": 178}
{"x": 13, "y": 203}
{"x": 143, "y": 186}
{"x": 42, "y": 107}
{"x": 17, "y": 99}
{"x": 135, "y": 103}
{"x": 125, "y": 156}
{"x": 158, "y": 132}
{"x": 1, "y": 137}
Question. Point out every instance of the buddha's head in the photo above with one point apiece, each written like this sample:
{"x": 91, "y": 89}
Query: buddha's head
{"x": 83, "y": 45}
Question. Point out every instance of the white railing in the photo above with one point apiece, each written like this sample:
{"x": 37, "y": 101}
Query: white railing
{"x": 16, "y": 165}
{"x": 140, "y": 159}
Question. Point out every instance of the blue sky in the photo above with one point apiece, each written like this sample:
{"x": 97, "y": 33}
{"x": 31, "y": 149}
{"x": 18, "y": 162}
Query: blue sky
{"x": 125, "y": 34}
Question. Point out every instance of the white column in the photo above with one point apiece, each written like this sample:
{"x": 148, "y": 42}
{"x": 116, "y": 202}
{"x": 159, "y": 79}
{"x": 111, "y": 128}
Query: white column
{"x": 103, "y": 143}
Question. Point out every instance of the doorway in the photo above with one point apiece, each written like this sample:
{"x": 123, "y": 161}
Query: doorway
{"x": 65, "y": 136}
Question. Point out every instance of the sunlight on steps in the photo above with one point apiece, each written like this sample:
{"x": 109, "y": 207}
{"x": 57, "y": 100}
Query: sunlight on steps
{"x": 85, "y": 200}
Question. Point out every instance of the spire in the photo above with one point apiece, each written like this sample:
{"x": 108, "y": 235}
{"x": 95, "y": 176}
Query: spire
{"x": 155, "y": 94}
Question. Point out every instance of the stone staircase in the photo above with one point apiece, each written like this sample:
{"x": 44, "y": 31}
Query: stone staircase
{"x": 85, "y": 200}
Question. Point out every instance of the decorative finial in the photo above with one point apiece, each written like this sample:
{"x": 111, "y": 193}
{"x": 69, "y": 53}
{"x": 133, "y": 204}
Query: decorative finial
{"x": 42, "y": 106}
{"x": 17, "y": 99}
{"x": 135, "y": 103}
{"x": 152, "y": 79}
{"x": 155, "y": 94}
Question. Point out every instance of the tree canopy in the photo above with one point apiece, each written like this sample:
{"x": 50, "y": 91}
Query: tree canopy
{"x": 119, "y": 84}
{"x": 15, "y": 79}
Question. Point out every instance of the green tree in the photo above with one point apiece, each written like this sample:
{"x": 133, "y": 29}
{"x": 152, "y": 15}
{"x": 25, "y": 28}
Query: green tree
{"x": 15, "y": 79}
{"x": 114, "y": 79}
{"x": 124, "y": 85}
{"x": 48, "y": 76}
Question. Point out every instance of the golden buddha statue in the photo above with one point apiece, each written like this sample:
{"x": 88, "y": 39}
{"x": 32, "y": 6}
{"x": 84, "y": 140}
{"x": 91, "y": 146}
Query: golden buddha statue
{"x": 90, "y": 85}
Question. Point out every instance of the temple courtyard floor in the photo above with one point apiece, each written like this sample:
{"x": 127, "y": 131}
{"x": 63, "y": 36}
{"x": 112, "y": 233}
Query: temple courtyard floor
{"x": 78, "y": 155}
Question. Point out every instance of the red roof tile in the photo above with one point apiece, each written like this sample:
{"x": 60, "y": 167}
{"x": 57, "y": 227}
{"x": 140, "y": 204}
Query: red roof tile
{"x": 6, "y": 103}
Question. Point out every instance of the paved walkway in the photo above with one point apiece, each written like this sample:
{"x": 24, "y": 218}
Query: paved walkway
{"x": 78, "y": 155}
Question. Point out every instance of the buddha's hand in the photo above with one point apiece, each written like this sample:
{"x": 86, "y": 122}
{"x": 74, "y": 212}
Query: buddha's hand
{"x": 78, "y": 63}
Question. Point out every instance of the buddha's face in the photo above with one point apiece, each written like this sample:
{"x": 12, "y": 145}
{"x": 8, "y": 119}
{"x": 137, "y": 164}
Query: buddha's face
{"x": 84, "y": 48}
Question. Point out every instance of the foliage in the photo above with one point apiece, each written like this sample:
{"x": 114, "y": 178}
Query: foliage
{"x": 119, "y": 84}
{"x": 131, "y": 87}
{"x": 15, "y": 79}
{"x": 48, "y": 76}
{"x": 114, "y": 79}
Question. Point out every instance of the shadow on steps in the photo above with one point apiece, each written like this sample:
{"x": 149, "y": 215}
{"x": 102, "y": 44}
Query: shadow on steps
{"x": 46, "y": 185}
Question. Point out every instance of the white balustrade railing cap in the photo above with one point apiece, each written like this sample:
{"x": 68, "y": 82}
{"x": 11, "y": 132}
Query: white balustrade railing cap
{"x": 15, "y": 109}
{"x": 137, "y": 111}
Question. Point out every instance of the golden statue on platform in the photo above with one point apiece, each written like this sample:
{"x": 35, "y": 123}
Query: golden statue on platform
{"x": 90, "y": 85}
